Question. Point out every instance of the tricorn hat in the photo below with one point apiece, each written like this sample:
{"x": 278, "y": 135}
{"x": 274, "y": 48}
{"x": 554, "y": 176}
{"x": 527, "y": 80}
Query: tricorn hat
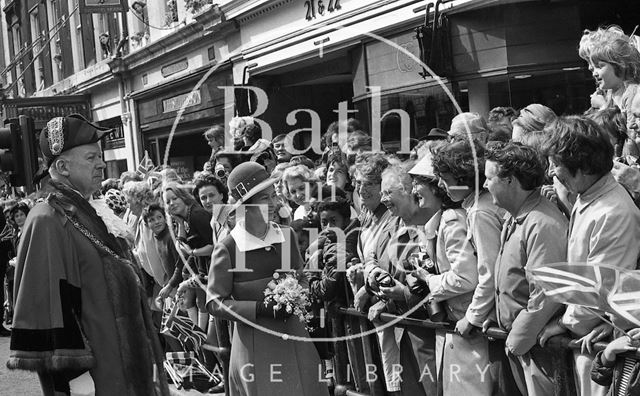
{"x": 64, "y": 133}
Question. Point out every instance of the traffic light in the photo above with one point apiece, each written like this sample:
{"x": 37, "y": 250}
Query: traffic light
{"x": 29, "y": 150}
{"x": 18, "y": 155}
{"x": 11, "y": 155}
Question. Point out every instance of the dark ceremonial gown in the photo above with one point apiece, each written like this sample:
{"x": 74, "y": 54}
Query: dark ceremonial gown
{"x": 79, "y": 302}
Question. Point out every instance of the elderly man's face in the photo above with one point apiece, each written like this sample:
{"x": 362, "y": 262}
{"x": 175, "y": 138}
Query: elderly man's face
{"x": 84, "y": 167}
{"x": 392, "y": 195}
{"x": 633, "y": 116}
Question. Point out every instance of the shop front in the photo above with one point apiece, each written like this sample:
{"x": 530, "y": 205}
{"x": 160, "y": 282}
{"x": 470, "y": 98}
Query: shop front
{"x": 503, "y": 57}
{"x": 117, "y": 145}
{"x": 361, "y": 54}
{"x": 180, "y": 140}
{"x": 367, "y": 54}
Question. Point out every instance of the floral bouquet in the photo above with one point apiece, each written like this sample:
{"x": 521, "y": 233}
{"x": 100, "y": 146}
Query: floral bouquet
{"x": 288, "y": 294}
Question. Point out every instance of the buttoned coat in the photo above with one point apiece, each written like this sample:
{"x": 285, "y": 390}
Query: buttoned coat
{"x": 263, "y": 363}
{"x": 536, "y": 236}
{"x": 604, "y": 229}
{"x": 484, "y": 223}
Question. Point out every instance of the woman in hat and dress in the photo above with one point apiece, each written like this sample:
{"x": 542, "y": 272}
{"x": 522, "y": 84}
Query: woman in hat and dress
{"x": 264, "y": 361}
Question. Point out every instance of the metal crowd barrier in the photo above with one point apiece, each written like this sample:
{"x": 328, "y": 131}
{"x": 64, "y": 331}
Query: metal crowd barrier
{"x": 347, "y": 388}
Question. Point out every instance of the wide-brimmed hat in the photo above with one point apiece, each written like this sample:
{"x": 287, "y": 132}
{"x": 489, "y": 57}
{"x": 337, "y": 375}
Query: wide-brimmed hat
{"x": 246, "y": 180}
{"x": 437, "y": 134}
{"x": 64, "y": 133}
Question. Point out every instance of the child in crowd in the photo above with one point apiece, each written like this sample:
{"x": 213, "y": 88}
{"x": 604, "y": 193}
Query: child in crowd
{"x": 154, "y": 217}
{"x": 614, "y": 61}
{"x": 620, "y": 373}
{"x": 303, "y": 228}
{"x": 328, "y": 258}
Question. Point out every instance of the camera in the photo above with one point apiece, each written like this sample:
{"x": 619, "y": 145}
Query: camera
{"x": 219, "y": 171}
{"x": 384, "y": 280}
{"x": 435, "y": 310}
{"x": 421, "y": 260}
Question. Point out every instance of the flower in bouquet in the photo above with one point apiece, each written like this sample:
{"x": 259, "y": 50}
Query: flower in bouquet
{"x": 289, "y": 295}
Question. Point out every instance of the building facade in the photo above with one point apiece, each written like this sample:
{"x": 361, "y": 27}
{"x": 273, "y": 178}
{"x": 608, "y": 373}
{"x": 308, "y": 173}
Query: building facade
{"x": 297, "y": 64}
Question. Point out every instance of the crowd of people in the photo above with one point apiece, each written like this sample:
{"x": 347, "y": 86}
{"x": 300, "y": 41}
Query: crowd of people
{"x": 446, "y": 232}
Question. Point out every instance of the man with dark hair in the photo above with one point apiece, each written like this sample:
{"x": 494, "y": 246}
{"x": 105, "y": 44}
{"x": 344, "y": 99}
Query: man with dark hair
{"x": 605, "y": 224}
{"x": 281, "y": 145}
{"x": 534, "y": 234}
{"x": 253, "y": 140}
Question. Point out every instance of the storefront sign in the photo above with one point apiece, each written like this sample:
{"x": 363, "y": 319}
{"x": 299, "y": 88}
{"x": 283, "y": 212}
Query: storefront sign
{"x": 43, "y": 109}
{"x": 315, "y": 8}
{"x": 183, "y": 166}
{"x": 174, "y": 67}
{"x": 175, "y": 103}
{"x": 115, "y": 139}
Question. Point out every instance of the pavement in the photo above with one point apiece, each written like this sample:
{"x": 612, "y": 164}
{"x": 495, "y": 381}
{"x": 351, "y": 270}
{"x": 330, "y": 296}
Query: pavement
{"x": 25, "y": 383}
{"x": 15, "y": 382}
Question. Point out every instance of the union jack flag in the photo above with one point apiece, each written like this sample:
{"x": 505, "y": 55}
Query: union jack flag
{"x": 596, "y": 286}
{"x": 146, "y": 165}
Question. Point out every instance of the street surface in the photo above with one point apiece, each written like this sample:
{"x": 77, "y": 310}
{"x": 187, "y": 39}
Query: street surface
{"x": 24, "y": 383}
{"x": 15, "y": 383}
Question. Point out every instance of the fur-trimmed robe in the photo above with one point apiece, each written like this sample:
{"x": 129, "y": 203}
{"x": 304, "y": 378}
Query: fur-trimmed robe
{"x": 80, "y": 308}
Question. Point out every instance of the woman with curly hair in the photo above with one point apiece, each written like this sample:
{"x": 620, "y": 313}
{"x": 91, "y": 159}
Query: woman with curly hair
{"x": 300, "y": 185}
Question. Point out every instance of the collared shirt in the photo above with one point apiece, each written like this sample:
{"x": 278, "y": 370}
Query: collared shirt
{"x": 455, "y": 259}
{"x": 246, "y": 241}
{"x": 484, "y": 222}
{"x": 405, "y": 239}
{"x": 604, "y": 229}
{"x": 375, "y": 231}
{"x": 536, "y": 236}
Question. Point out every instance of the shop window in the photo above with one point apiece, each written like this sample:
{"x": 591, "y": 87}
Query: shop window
{"x": 426, "y": 107}
{"x": 115, "y": 168}
{"x": 565, "y": 92}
